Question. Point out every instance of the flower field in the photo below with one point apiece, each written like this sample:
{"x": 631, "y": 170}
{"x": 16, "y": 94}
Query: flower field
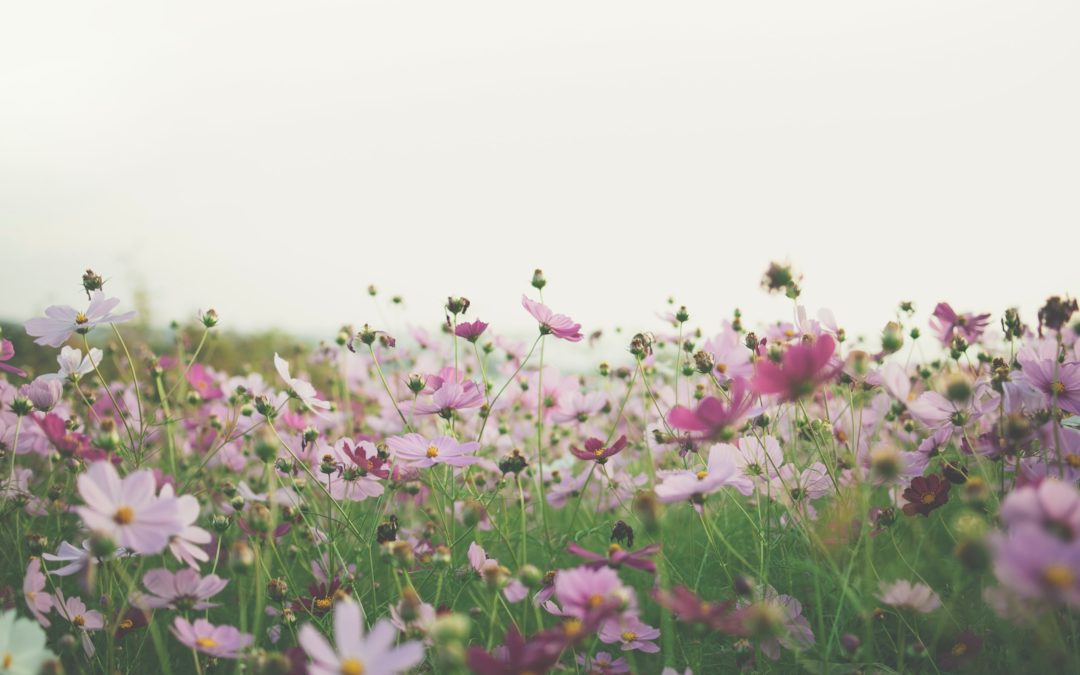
{"x": 776, "y": 496}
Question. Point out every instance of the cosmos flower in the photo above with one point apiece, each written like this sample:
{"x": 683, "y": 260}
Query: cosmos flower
{"x": 76, "y": 558}
{"x": 1058, "y": 382}
{"x": 602, "y": 663}
{"x": 1036, "y": 564}
{"x": 925, "y": 494}
{"x": 631, "y": 632}
{"x": 7, "y": 351}
{"x": 802, "y": 369}
{"x": 581, "y": 590}
{"x": 301, "y": 388}
{"x": 1052, "y": 505}
{"x": 223, "y": 642}
{"x": 515, "y": 656}
{"x": 181, "y": 590}
{"x": 579, "y": 406}
{"x": 617, "y": 557}
{"x": 715, "y": 419}
{"x": 559, "y": 325}
{"x": 903, "y": 594}
{"x": 82, "y": 619}
{"x": 677, "y": 486}
{"x": 22, "y": 645}
{"x": 357, "y": 652}
{"x": 451, "y": 396}
{"x": 948, "y": 325}
{"x": 470, "y": 331}
{"x": 596, "y": 452}
{"x": 44, "y": 393}
{"x": 73, "y": 365}
{"x": 127, "y": 510}
{"x": 37, "y": 598}
{"x": 187, "y": 544}
{"x": 418, "y": 451}
{"x": 60, "y": 323}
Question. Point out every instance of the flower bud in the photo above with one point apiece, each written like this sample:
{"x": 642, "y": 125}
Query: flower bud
{"x": 21, "y": 406}
{"x": 451, "y": 628}
{"x": 892, "y": 338}
{"x": 416, "y": 383}
{"x": 458, "y": 305}
{"x": 277, "y": 589}
{"x": 538, "y": 280}
{"x": 209, "y": 318}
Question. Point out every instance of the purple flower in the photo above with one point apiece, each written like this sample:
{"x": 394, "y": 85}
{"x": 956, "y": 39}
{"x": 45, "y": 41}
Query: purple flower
{"x": 716, "y": 419}
{"x": 60, "y": 323}
{"x": 418, "y": 451}
{"x": 1038, "y": 565}
{"x": 43, "y": 392}
{"x": 617, "y": 557}
{"x": 949, "y": 325}
{"x": 7, "y": 351}
{"x": 223, "y": 642}
{"x": 1056, "y": 381}
{"x": 1052, "y": 505}
{"x": 559, "y": 325}
{"x": 471, "y": 331}
{"x": 358, "y": 653}
{"x": 127, "y": 510}
{"x": 516, "y": 656}
{"x": 450, "y": 396}
{"x": 181, "y": 590}
{"x": 596, "y": 452}
{"x": 631, "y": 633}
{"x": 802, "y": 369}
{"x": 602, "y": 663}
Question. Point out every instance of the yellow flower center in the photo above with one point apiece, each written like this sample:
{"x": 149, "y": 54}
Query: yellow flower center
{"x": 1073, "y": 460}
{"x": 323, "y": 603}
{"x": 702, "y": 475}
{"x": 81, "y": 318}
{"x": 612, "y": 549}
{"x": 572, "y": 628}
{"x": 78, "y": 620}
{"x": 629, "y": 636}
{"x": 127, "y": 624}
{"x": 721, "y": 368}
{"x": 1057, "y": 387}
{"x": 598, "y": 451}
{"x": 1058, "y": 576}
{"x": 928, "y": 498}
{"x": 125, "y": 515}
{"x": 959, "y": 649}
{"x": 352, "y": 666}
{"x": 206, "y": 643}
{"x": 432, "y": 451}
{"x": 595, "y": 600}
{"x": 7, "y": 659}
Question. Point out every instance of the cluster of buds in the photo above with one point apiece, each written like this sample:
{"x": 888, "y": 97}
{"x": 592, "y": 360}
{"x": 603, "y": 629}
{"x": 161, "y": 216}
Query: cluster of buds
{"x": 704, "y": 362}
{"x": 641, "y": 345}
{"x": 513, "y": 463}
{"x": 458, "y": 305}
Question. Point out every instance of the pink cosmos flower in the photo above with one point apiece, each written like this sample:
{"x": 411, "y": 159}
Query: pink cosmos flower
{"x": 76, "y": 559}
{"x": 677, "y": 486}
{"x": 716, "y": 419}
{"x": 358, "y": 653}
{"x": 418, "y": 451}
{"x": 602, "y": 663}
{"x": 360, "y": 471}
{"x": 579, "y": 406}
{"x": 1056, "y": 381}
{"x": 44, "y": 393}
{"x": 802, "y": 369}
{"x": 949, "y": 325}
{"x": 617, "y": 557}
{"x": 7, "y": 351}
{"x": 84, "y": 620}
{"x": 451, "y": 396}
{"x": 903, "y": 594}
{"x": 596, "y": 452}
{"x": 127, "y": 510}
{"x": 303, "y": 389}
{"x": 223, "y": 642}
{"x": 583, "y": 589}
{"x": 631, "y": 632}
{"x": 1052, "y": 505}
{"x": 1036, "y": 564}
{"x": 559, "y": 325}
{"x": 471, "y": 331}
{"x": 181, "y": 590}
{"x": 37, "y": 598}
{"x": 513, "y": 591}
{"x": 187, "y": 544}
{"x": 60, "y": 323}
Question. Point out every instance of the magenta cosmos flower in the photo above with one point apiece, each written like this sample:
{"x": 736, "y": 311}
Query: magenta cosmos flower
{"x": 181, "y": 590}
{"x": 7, "y": 351}
{"x": 358, "y": 653}
{"x": 582, "y": 590}
{"x": 617, "y": 556}
{"x": 596, "y": 452}
{"x": 471, "y": 331}
{"x": 223, "y": 642}
{"x": 559, "y": 325}
{"x": 949, "y": 325}
{"x": 802, "y": 369}
{"x": 418, "y": 451}
{"x": 127, "y": 510}
{"x": 60, "y": 323}
{"x": 716, "y": 419}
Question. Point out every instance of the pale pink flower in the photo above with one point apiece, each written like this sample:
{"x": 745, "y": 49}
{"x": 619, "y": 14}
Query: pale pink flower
{"x": 223, "y": 642}
{"x": 181, "y": 590}
{"x": 903, "y": 594}
{"x": 303, "y": 389}
{"x": 418, "y": 451}
{"x": 127, "y": 510}
{"x": 559, "y": 325}
{"x": 85, "y": 620}
{"x": 187, "y": 544}
{"x": 37, "y": 598}
{"x": 371, "y": 653}
{"x": 61, "y": 322}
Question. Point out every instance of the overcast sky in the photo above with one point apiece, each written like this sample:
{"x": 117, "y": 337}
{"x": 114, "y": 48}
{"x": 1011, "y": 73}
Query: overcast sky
{"x": 271, "y": 159}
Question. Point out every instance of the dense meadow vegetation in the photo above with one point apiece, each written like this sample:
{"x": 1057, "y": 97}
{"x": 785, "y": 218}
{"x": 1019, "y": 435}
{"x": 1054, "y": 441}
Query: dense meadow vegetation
{"x": 769, "y": 497}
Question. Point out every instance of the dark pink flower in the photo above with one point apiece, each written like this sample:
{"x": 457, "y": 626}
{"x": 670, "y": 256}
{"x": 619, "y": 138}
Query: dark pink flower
{"x": 7, "y": 351}
{"x": 596, "y": 452}
{"x": 714, "y": 418}
{"x": 559, "y": 325}
{"x": 471, "y": 331}
{"x": 949, "y": 325}
{"x": 802, "y": 369}
{"x": 617, "y": 557}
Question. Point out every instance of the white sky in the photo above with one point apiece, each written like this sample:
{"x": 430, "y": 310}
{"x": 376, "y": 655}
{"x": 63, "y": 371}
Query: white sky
{"x": 273, "y": 158}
